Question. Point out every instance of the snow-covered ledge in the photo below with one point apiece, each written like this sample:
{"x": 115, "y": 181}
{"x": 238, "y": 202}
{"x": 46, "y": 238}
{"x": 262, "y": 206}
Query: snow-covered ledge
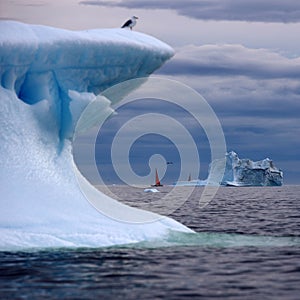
{"x": 39, "y": 62}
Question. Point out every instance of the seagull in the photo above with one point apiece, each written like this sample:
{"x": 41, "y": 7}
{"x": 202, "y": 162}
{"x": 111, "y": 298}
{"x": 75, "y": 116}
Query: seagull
{"x": 130, "y": 23}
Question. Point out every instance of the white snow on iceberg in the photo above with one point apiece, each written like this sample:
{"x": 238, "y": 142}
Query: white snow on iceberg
{"x": 47, "y": 77}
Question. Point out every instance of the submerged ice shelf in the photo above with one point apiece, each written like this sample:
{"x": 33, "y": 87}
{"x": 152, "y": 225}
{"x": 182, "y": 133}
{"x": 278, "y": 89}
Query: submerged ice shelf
{"x": 48, "y": 76}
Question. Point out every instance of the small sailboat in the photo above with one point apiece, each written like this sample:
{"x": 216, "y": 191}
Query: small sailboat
{"x": 157, "y": 181}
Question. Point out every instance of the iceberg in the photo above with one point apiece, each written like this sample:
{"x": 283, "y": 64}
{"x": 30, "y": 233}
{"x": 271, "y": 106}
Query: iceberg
{"x": 245, "y": 172}
{"x": 239, "y": 172}
{"x": 48, "y": 76}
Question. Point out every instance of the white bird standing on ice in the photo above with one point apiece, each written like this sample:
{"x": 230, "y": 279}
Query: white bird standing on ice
{"x": 130, "y": 23}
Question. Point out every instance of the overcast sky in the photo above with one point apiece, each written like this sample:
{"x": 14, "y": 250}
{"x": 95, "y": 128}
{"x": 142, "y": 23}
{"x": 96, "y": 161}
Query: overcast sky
{"x": 243, "y": 56}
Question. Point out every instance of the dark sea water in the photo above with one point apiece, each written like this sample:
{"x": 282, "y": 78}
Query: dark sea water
{"x": 247, "y": 246}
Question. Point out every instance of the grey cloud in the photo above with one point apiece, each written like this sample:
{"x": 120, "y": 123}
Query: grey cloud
{"x": 235, "y": 79}
{"x": 232, "y": 60}
{"x": 235, "y": 10}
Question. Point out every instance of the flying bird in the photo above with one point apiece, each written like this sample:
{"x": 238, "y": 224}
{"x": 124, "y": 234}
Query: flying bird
{"x": 130, "y": 23}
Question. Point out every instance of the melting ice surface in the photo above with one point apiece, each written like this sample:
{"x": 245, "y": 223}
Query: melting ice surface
{"x": 48, "y": 76}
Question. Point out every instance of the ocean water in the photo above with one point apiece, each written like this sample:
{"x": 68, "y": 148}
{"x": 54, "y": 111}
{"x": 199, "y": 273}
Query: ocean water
{"x": 247, "y": 246}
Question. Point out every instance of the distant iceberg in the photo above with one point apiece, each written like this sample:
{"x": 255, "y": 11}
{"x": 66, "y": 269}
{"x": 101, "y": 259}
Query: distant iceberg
{"x": 240, "y": 172}
{"x": 151, "y": 190}
{"x": 48, "y": 76}
{"x": 245, "y": 172}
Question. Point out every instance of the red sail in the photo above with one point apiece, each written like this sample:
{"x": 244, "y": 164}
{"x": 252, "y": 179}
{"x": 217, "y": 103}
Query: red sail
{"x": 157, "y": 182}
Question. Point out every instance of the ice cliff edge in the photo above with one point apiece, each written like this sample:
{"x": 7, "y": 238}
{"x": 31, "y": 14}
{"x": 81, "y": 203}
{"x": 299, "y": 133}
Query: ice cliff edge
{"x": 39, "y": 62}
